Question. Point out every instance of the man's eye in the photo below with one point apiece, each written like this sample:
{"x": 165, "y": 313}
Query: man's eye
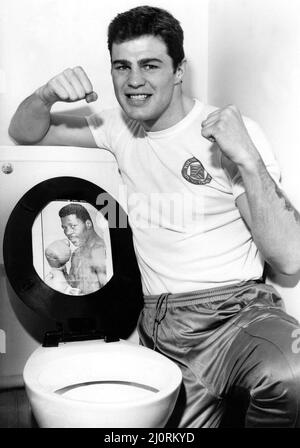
{"x": 121, "y": 67}
{"x": 150, "y": 67}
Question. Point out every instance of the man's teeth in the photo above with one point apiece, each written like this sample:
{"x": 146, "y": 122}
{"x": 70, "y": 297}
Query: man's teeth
{"x": 138, "y": 97}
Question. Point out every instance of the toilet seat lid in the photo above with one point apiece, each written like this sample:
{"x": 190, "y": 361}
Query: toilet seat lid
{"x": 115, "y": 307}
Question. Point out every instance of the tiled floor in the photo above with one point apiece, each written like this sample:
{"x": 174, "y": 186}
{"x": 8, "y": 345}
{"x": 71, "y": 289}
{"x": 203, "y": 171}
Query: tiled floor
{"x": 15, "y": 410}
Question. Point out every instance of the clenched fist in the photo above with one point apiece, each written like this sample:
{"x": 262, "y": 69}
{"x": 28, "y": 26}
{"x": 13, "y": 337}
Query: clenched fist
{"x": 226, "y": 127}
{"x": 58, "y": 253}
{"x": 71, "y": 85}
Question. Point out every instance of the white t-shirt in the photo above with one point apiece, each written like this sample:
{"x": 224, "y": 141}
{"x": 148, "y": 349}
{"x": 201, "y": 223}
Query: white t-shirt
{"x": 187, "y": 230}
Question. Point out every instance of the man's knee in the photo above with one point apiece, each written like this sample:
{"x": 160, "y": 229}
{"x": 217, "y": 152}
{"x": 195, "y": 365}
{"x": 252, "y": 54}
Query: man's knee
{"x": 274, "y": 374}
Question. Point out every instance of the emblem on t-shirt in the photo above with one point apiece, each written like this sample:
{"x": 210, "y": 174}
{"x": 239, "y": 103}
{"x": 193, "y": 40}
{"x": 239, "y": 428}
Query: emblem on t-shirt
{"x": 193, "y": 171}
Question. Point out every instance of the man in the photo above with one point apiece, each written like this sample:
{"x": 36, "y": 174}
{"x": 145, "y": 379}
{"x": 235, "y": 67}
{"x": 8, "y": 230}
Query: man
{"x": 88, "y": 261}
{"x": 206, "y": 306}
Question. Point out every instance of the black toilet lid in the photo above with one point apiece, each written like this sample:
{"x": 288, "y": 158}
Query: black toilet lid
{"x": 116, "y": 306}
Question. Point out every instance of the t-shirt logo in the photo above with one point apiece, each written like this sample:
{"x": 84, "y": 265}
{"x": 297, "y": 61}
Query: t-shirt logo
{"x": 193, "y": 171}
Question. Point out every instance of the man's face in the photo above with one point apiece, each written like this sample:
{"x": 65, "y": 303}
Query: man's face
{"x": 144, "y": 81}
{"x": 75, "y": 230}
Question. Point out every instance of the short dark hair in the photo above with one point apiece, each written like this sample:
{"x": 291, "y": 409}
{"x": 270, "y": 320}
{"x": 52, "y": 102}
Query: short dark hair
{"x": 148, "y": 20}
{"x": 75, "y": 209}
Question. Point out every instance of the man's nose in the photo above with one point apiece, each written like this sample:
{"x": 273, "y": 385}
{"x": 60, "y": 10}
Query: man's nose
{"x": 136, "y": 79}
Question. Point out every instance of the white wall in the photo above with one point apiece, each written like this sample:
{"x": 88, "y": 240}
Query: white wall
{"x": 40, "y": 38}
{"x": 254, "y": 62}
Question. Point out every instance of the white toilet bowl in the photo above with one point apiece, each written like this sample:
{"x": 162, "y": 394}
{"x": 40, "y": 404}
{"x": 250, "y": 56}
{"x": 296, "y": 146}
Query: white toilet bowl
{"x": 101, "y": 385}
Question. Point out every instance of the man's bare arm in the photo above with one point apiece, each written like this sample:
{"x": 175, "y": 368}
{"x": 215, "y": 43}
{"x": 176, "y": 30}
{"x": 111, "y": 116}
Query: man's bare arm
{"x": 99, "y": 264}
{"x": 33, "y": 123}
{"x": 273, "y": 221}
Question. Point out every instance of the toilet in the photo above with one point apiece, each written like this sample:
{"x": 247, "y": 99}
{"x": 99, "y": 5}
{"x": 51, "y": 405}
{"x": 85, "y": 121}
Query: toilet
{"x": 86, "y": 374}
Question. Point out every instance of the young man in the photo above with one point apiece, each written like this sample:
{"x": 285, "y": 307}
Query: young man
{"x": 206, "y": 306}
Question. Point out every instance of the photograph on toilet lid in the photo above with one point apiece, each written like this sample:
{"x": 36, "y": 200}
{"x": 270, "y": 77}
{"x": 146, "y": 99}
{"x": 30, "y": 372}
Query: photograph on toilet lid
{"x": 71, "y": 247}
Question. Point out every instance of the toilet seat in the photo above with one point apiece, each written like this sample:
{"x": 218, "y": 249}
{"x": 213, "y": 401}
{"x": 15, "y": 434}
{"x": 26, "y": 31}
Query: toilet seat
{"x": 110, "y": 312}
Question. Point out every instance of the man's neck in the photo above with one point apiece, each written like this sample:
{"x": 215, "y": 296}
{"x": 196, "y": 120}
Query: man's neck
{"x": 183, "y": 107}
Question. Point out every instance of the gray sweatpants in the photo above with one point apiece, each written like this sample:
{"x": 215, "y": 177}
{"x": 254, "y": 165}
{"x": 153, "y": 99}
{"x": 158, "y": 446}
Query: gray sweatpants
{"x": 234, "y": 345}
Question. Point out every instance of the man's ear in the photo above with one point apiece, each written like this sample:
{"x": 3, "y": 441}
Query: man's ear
{"x": 180, "y": 71}
{"x": 89, "y": 224}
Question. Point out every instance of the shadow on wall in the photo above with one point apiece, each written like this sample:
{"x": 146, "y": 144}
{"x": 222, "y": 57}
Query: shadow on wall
{"x": 188, "y": 83}
{"x": 33, "y": 324}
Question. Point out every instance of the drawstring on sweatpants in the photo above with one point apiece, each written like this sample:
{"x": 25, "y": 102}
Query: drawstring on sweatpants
{"x": 163, "y": 298}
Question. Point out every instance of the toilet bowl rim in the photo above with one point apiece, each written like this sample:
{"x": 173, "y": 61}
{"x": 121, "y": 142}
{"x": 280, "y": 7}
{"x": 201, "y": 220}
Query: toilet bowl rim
{"x": 32, "y": 380}
{"x": 159, "y": 396}
{"x": 42, "y": 392}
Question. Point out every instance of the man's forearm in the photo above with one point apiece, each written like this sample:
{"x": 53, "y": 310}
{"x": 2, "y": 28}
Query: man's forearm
{"x": 275, "y": 224}
{"x": 31, "y": 121}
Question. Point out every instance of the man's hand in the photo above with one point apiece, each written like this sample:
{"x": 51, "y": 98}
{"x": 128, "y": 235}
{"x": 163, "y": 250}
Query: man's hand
{"x": 71, "y": 85}
{"x": 226, "y": 127}
{"x": 58, "y": 253}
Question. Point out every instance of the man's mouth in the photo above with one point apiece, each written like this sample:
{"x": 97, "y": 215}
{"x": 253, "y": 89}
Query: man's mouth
{"x": 138, "y": 96}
